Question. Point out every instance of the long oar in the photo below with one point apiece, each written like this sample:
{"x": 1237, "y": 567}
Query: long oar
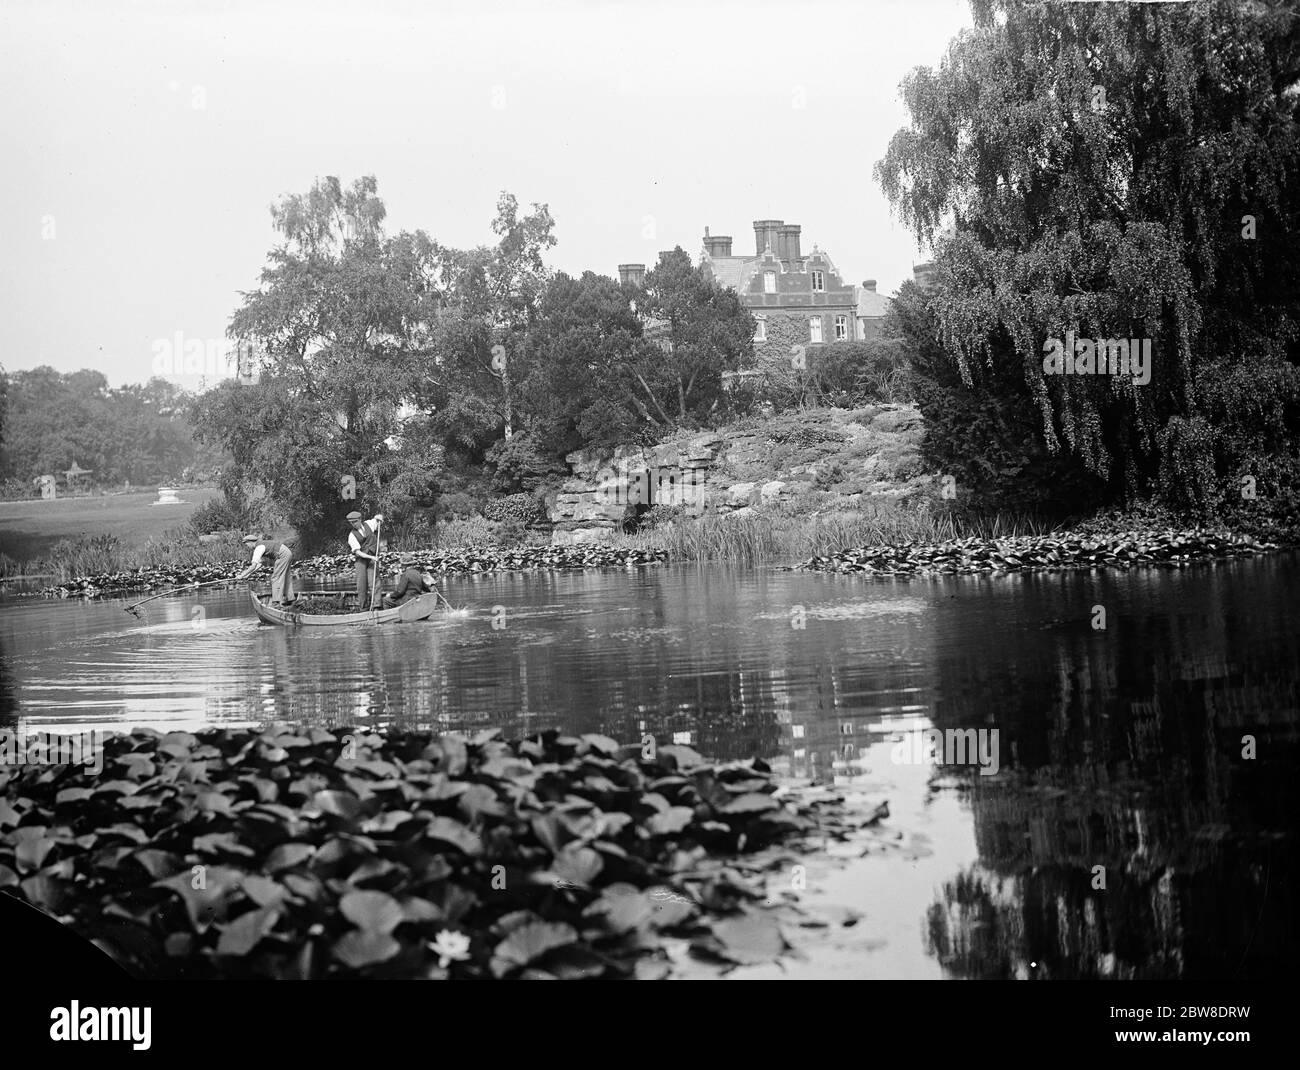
{"x": 175, "y": 590}
{"x": 374, "y": 575}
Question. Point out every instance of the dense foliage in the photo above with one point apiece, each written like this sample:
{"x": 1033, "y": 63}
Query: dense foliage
{"x": 395, "y": 372}
{"x": 136, "y": 434}
{"x": 1116, "y": 171}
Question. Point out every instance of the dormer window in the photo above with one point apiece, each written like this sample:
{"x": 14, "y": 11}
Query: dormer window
{"x": 769, "y": 282}
{"x": 818, "y": 282}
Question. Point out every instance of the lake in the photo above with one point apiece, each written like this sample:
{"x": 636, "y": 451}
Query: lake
{"x": 1139, "y": 819}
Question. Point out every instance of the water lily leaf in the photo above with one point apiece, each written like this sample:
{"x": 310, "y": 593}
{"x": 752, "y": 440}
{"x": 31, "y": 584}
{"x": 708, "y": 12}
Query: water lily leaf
{"x": 530, "y": 942}
{"x": 751, "y": 803}
{"x": 672, "y": 820}
{"x": 682, "y": 757}
{"x": 601, "y": 743}
{"x": 339, "y": 803}
{"x": 70, "y": 795}
{"x": 652, "y": 969}
{"x": 448, "y": 755}
{"x": 263, "y": 890}
{"x": 578, "y": 865}
{"x": 222, "y": 843}
{"x": 31, "y": 852}
{"x": 486, "y": 736}
{"x": 447, "y": 830}
{"x": 205, "y": 904}
{"x": 8, "y": 878}
{"x": 751, "y": 939}
{"x": 418, "y": 910}
{"x": 158, "y": 864}
{"x": 213, "y": 802}
{"x": 612, "y": 823}
{"x": 372, "y": 911}
{"x": 361, "y": 947}
{"x": 624, "y": 911}
{"x": 505, "y": 767}
{"x": 548, "y": 829}
{"x": 119, "y": 787}
{"x": 242, "y": 935}
{"x": 288, "y": 855}
{"x": 48, "y": 893}
{"x": 8, "y": 815}
{"x": 480, "y": 799}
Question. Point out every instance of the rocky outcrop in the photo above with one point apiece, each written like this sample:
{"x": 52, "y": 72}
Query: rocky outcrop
{"x": 826, "y": 460}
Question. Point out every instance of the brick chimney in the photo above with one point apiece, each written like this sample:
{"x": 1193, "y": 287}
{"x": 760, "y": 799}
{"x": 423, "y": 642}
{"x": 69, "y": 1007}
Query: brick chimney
{"x": 631, "y": 274}
{"x": 924, "y": 275}
{"x": 717, "y": 244}
{"x": 788, "y": 235}
{"x": 869, "y": 284}
{"x": 767, "y": 232}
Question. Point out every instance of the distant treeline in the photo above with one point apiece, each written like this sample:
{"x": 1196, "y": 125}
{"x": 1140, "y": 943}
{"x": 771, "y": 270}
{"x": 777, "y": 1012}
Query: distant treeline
{"x": 132, "y": 434}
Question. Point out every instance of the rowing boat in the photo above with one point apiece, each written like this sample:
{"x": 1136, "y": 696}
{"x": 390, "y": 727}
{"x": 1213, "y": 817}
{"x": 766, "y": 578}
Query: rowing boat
{"x": 421, "y": 608}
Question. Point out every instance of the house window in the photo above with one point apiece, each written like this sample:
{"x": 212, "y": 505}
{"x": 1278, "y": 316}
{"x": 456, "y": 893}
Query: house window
{"x": 760, "y": 331}
{"x": 819, "y": 282}
{"x": 769, "y": 282}
{"x": 815, "y": 329}
{"x": 841, "y": 327}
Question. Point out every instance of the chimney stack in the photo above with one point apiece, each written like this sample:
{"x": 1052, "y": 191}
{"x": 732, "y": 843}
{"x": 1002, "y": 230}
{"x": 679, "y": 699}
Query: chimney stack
{"x": 717, "y": 244}
{"x": 767, "y": 232}
{"x": 869, "y": 284}
{"x": 631, "y": 274}
{"x": 924, "y": 274}
{"x": 789, "y": 238}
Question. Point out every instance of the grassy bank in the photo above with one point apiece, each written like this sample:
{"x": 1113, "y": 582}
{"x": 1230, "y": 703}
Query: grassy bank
{"x": 354, "y": 855}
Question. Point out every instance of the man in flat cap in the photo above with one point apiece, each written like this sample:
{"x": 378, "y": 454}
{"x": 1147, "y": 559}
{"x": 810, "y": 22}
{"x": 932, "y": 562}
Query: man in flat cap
{"x": 363, "y": 540}
{"x": 281, "y": 577}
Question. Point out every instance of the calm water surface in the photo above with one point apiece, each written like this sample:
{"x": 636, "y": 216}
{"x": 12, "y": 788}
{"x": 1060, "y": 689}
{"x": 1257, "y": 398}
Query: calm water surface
{"x": 1121, "y": 750}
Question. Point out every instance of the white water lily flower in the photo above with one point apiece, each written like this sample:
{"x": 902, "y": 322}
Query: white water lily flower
{"x": 450, "y": 947}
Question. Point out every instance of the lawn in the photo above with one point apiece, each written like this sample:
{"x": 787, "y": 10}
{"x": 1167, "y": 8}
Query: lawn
{"x": 30, "y": 528}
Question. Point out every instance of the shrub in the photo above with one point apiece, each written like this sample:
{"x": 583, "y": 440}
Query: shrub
{"x": 522, "y": 509}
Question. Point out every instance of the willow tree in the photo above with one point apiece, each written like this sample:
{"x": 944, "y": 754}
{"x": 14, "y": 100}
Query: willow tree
{"x": 340, "y": 323}
{"x": 1108, "y": 171}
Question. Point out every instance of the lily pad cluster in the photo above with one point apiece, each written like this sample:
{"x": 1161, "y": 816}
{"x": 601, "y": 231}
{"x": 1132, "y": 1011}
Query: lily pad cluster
{"x": 516, "y": 559}
{"x": 513, "y": 559}
{"x": 1061, "y": 551}
{"x": 143, "y": 579}
{"x": 310, "y": 854}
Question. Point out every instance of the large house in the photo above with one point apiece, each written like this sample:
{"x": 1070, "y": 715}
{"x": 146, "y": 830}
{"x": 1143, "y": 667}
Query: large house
{"x": 797, "y": 298}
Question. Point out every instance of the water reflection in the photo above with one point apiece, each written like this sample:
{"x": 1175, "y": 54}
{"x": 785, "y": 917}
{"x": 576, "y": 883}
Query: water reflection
{"x": 1126, "y": 833}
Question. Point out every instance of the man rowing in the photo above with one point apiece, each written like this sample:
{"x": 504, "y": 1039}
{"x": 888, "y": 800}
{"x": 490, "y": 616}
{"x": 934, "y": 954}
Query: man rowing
{"x": 364, "y": 542}
{"x": 281, "y": 578}
{"x": 410, "y": 582}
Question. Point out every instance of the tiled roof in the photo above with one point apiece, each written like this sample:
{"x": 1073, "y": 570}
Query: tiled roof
{"x": 871, "y": 304}
{"x": 733, "y": 271}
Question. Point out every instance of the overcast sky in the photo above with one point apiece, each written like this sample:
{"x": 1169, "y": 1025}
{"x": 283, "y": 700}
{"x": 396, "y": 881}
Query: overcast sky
{"x": 143, "y": 142}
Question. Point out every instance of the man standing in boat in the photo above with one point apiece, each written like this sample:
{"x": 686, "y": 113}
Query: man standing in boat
{"x": 410, "y": 583}
{"x": 281, "y": 577}
{"x": 364, "y": 542}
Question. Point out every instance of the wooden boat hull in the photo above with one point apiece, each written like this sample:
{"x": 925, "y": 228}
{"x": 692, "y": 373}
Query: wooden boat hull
{"x": 421, "y": 608}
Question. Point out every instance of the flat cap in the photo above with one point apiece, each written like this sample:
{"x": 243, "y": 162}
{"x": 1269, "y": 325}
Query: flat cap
{"x": 354, "y": 515}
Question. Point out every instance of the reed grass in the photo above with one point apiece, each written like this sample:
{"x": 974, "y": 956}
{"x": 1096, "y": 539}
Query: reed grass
{"x": 98, "y": 555}
{"x": 760, "y": 537}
